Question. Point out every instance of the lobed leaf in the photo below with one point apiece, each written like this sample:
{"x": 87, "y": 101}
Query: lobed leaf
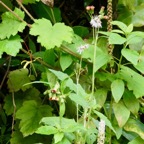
{"x": 51, "y": 36}
{"x": 30, "y": 115}
{"x": 16, "y": 80}
{"x": 10, "y": 46}
{"x": 10, "y": 25}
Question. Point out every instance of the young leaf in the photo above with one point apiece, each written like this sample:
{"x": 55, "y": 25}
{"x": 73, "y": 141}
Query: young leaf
{"x": 103, "y": 117}
{"x": 131, "y": 102}
{"x": 30, "y": 115}
{"x": 46, "y": 130}
{"x": 51, "y": 36}
{"x": 135, "y": 126}
{"x": 115, "y": 38}
{"x": 58, "y": 137}
{"x": 134, "y": 81}
{"x": 65, "y": 61}
{"x": 10, "y": 46}
{"x": 131, "y": 55}
{"x": 16, "y": 80}
{"x": 121, "y": 113}
{"x": 10, "y": 25}
{"x": 121, "y": 25}
{"x": 117, "y": 88}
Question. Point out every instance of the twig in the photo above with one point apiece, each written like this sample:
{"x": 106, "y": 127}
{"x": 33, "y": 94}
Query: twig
{"x": 6, "y": 73}
{"x": 14, "y": 111}
{"x": 21, "y": 5}
{"x": 16, "y": 15}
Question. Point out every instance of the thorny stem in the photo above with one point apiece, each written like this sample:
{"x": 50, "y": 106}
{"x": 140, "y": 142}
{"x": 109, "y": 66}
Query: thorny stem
{"x": 21, "y": 5}
{"x": 17, "y": 16}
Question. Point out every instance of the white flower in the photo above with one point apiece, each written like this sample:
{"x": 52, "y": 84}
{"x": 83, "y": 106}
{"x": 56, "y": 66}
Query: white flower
{"x": 96, "y": 22}
{"x": 101, "y": 132}
{"x": 82, "y": 48}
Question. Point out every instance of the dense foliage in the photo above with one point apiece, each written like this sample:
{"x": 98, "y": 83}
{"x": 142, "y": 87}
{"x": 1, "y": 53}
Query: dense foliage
{"x": 65, "y": 79}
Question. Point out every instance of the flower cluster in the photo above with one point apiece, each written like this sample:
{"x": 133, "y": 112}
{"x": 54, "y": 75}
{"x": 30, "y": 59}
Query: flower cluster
{"x": 82, "y": 48}
{"x": 101, "y": 132}
{"x": 96, "y": 22}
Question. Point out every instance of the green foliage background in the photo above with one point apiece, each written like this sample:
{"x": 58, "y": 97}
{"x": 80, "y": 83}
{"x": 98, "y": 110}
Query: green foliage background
{"x": 46, "y": 85}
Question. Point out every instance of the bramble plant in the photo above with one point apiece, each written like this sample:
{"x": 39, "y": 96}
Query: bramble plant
{"x": 70, "y": 84}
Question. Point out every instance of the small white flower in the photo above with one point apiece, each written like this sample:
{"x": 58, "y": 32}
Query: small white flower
{"x": 101, "y": 132}
{"x": 82, "y": 48}
{"x": 96, "y": 22}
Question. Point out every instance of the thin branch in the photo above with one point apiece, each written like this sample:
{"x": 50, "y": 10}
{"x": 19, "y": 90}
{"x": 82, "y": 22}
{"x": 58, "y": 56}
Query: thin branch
{"x": 16, "y": 15}
{"x": 14, "y": 111}
{"x": 6, "y": 73}
{"x": 21, "y": 5}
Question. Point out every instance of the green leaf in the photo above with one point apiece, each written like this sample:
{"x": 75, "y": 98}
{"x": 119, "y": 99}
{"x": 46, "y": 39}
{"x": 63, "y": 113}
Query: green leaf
{"x": 129, "y": 29}
{"x": 51, "y": 36}
{"x": 60, "y": 75}
{"x": 131, "y": 102}
{"x": 20, "y": 97}
{"x": 103, "y": 117}
{"x": 131, "y": 55}
{"x": 10, "y": 25}
{"x": 121, "y": 113}
{"x": 65, "y": 125}
{"x": 58, "y": 137}
{"x": 17, "y": 138}
{"x": 101, "y": 57}
{"x": 30, "y": 115}
{"x": 11, "y": 46}
{"x": 79, "y": 100}
{"x": 81, "y": 31}
{"x": 29, "y": 1}
{"x": 117, "y": 88}
{"x": 138, "y": 17}
{"x": 16, "y": 80}
{"x": 135, "y": 126}
{"x": 121, "y": 25}
{"x": 65, "y": 61}
{"x": 137, "y": 140}
{"x": 134, "y": 81}
{"x": 115, "y": 38}
{"x": 46, "y": 130}
{"x": 100, "y": 96}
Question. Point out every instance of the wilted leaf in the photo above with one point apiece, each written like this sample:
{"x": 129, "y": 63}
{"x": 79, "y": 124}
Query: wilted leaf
{"x": 51, "y": 36}
{"x": 10, "y": 25}
{"x": 30, "y": 115}
{"x": 135, "y": 126}
{"x": 121, "y": 113}
{"x": 10, "y": 46}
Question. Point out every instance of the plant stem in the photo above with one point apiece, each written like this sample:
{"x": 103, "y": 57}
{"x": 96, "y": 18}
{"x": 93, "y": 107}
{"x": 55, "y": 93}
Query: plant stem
{"x": 16, "y": 15}
{"x": 21, "y": 5}
{"x": 14, "y": 111}
{"x": 54, "y": 20}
